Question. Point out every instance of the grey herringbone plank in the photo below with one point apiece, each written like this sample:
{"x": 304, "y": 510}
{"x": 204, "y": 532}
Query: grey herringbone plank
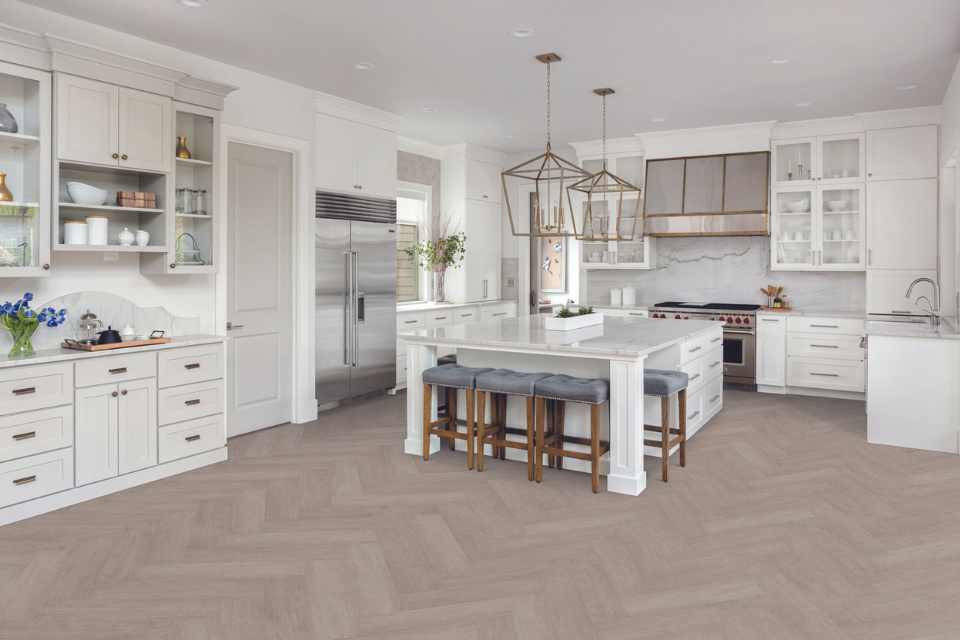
{"x": 784, "y": 524}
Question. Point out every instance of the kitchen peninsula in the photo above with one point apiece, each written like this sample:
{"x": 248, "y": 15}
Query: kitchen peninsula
{"x": 619, "y": 350}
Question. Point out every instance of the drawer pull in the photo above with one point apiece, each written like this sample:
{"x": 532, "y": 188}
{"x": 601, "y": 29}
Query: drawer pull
{"x": 769, "y": 319}
{"x": 715, "y": 398}
{"x": 825, "y": 346}
{"x": 25, "y": 391}
{"x": 714, "y": 364}
{"x": 717, "y": 339}
{"x": 440, "y": 317}
{"x": 117, "y": 370}
{"x": 25, "y": 436}
{"x": 694, "y": 377}
{"x": 693, "y": 415}
{"x": 192, "y": 365}
{"x": 639, "y": 315}
{"x": 826, "y": 326}
{"x": 190, "y": 403}
{"x": 192, "y": 438}
{"x": 695, "y": 349}
{"x": 825, "y": 375}
{"x": 497, "y": 315}
{"x": 466, "y": 315}
{"x": 410, "y": 322}
{"x": 25, "y": 480}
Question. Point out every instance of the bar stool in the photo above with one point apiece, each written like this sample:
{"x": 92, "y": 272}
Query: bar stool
{"x": 561, "y": 389}
{"x": 450, "y": 358}
{"x": 450, "y": 377}
{"x": 501, "y": 383}
{"x": 664, "y": 384}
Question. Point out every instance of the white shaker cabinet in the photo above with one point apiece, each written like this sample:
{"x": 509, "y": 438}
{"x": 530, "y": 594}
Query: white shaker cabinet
{"x": 902, "y": 224}
{"x": 478, "y": 278}
{"x": 903, "y": 153}
{"x": 771, "y": 350}
{"x": 95, "y": 442}
{"x": 100, "y": 123}
{"x": 137, "y": 425}
{"x": 355, "y": 158}
{"x": 483, "y": 181}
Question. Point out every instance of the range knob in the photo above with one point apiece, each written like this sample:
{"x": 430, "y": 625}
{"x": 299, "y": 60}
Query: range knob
{"x": 676, "y": 317}
{"x": 737, "y": 320}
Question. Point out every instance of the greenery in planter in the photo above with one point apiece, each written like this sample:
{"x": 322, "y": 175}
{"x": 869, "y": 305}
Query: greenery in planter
{"x": 567, "y": 313}
{"x": 438, "y": 255}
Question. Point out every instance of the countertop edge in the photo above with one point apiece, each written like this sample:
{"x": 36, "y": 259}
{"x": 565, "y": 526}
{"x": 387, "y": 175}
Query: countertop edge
{"x": 50, "y": 356}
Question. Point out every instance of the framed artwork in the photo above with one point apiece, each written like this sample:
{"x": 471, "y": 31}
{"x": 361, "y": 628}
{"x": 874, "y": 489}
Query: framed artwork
{"x": 553, "y": 265}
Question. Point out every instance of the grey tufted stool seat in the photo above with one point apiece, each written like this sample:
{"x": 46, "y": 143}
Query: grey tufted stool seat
{"x": 557, "y": 391}
{"x": 664, "y": 384}
{"x": 452, "y": 378}
{"x": 499, "y": 384}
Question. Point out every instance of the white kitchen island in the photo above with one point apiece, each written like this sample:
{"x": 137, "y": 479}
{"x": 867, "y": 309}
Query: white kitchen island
{"x": 617, "y": 350}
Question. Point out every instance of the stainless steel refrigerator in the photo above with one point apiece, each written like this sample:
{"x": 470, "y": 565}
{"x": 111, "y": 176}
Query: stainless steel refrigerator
{"x": 356, "y": 253}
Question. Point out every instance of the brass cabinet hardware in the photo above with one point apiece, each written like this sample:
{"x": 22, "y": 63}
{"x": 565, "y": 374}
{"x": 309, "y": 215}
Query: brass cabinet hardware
{"x": 190, "y": 403}
{"x": 123, "y": 156}
{"x": 115, "y": 156}
{"x": 192, "y": 365}
{"x": 192, "y": 438}
{"x": 25, "y": 436}
{"x": 117, "y": 370}
{"x": 114, "y": 394}
{"x": 26, "y": 480}
{"x": 123, "y": 392}
{"x": 24, "y": 391}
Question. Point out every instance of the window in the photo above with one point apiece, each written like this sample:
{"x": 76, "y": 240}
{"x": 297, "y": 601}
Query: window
{"x": 413, "y": 226}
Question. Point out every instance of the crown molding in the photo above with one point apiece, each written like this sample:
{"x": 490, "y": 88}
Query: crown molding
{"x": 338, "y": 107}
{"x": 24, "y": 47}
{"x": 743, "y": 137}
{"x": 420, "y": 148}
{"x": 615, "y": 146}
{"x": 204, "y": 93}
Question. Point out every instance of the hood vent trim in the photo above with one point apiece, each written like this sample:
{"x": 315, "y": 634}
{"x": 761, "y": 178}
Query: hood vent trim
{"x": 340, "y": 206}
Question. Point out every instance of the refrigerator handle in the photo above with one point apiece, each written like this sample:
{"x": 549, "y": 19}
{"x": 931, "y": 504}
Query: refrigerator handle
{"x": 356, "y": 303}
{"x": 347, "y": 309}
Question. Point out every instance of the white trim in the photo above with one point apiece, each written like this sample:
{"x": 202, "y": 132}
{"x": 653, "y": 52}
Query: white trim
{"x": 303, "y": 393}
{"x": 76, "y": 495}
{"x": 338, "y": 107}
{"x": 419, "y": 147}
{"x": 425, "y": 226}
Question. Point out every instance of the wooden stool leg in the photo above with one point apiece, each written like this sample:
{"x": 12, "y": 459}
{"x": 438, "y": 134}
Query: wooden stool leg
{"x": 452, "y": 416}
{"x": 538, "y": 451}
{"x": 481, "y": 427}
{"x": 427, "y": 399}
{"x": 664, "y": 437}
{"x": 503, "y": 423}
{"x": 595, "y": 446}
{"x": 561, "y": 420}
{"x": 470, "y": 427}
{"x": 683, "y": 427}
{"x": 530, "y": 443}
{"x": 551, "y": 428}
{"x": 494, "y": 422}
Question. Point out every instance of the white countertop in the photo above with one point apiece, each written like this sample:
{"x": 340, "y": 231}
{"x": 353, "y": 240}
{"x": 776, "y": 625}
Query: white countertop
{"x": 616, "y": 338}
{"x": 410, "y": 307}
{"x": 947, "y": 330}
{"x": 816, "y": 313}
{"x": 47, "y": 356}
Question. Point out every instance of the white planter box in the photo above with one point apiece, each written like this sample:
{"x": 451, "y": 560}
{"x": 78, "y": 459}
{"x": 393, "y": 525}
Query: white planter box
{"x": 576, "y": 322}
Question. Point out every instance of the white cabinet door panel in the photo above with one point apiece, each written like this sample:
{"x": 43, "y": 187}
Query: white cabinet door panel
{"x": 771, "y": 351}
{"x": 96, "y": 433}
{"x": 483, "y": 181}
{"x": 137, "y": 425}
{"x": 481, "y": 266}
{"x": 87, "y": 120}
{"x": 376, "y": 162}
{"x": 902, "y": 224}
{"x": 335, "y": 168}
{"x": 902, "y": 153}
{"x": 145, "y": 131}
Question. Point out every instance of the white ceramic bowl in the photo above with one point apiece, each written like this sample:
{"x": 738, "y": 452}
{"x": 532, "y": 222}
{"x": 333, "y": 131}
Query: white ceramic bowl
{"x": 838, "y": 205}
{"x": 799, "y": 206}
{"x": 85, "y": 194}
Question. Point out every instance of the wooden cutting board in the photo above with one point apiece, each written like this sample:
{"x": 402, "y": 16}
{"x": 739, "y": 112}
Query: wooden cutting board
{"x": 72, "y": 344}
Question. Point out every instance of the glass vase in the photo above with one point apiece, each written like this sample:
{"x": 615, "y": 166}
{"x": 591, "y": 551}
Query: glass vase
{"x": 22, "y": 341}
{"x": 439, "y": 295}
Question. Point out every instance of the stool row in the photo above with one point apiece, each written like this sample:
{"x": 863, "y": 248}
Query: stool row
{"x": 546, "y": 396}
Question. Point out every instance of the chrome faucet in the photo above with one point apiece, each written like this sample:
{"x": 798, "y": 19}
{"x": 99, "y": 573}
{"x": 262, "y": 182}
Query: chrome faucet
{"x": 932, "y": 307}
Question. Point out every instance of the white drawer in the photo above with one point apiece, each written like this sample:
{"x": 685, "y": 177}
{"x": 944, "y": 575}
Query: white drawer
{"x": 189, "y": 438}
{"x": 700, "y": 345}
{"x": 694, "y": 370}
{"x": 498, "y": 311}
{"x": 466, "y": 314}
{"x": 695, "y": 410}
{"x": 409, "y": 321}
{"x": 831, "y": 347}
{"x": 107, "y": 369}
{"x": 36, "y": 476}
{"x": 839, "y": 375}
{"x": 769, "y": 322}
{"x": 26, "y": 434}
{"x": 635, "y": 313}
{"x": 832, "y": 326}
{"x": 439, "y": 318}
{"x": 36, "y": 387}
{"x": 712, "y": 397}
{"x": 713, "y": 364}
{"x": 189, "y": 365}
{"x": 176, "y": 404}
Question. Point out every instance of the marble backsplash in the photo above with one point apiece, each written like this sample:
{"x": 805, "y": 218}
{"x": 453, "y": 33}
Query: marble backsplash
{"x": 727, "y": 270}
{"x": 112, "y": 310}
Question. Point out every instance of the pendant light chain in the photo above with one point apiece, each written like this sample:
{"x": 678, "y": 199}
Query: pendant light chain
{"x": 603, "y": 129}
{"x": 548, "y": 105}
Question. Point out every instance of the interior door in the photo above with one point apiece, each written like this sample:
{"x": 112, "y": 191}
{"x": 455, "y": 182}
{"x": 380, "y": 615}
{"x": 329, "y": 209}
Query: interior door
{"x": 334, "y": 312}
{"x": 87, "y": 120}
{"x": 137, "y": 425}
{"x": 95, "y": 443}
{"x": 374, "y": 247}
{"x": 259, "y": 288}
{"x": 145, "y": 131}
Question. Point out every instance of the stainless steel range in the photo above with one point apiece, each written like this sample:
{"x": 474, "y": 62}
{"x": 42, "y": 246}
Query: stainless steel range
{"x": 739, "y": 333}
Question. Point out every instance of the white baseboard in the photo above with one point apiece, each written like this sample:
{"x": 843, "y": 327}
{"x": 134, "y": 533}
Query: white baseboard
{"x": 46, "y": 504}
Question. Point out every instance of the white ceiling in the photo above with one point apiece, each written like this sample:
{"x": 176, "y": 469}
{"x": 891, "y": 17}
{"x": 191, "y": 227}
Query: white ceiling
{"x": 691, "y": 62}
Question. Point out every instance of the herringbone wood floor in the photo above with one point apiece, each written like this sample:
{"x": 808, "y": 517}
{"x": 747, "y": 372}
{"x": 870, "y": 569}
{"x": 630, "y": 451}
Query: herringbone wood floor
{"x": 785, "y": 524}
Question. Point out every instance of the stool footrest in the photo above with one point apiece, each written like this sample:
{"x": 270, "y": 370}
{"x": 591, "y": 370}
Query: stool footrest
{"x": 567, "y": 453}
{"x": 657, "y": 443}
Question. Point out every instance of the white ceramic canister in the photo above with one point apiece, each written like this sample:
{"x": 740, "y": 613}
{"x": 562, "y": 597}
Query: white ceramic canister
{"x": 97, "y": 228}
{"x": 629, "y": 297}
{"x": 74, "y": 232}
{"x": 143, "y": 238}
{"x": 616, "y": 297}
{"x": 126, "y": 237}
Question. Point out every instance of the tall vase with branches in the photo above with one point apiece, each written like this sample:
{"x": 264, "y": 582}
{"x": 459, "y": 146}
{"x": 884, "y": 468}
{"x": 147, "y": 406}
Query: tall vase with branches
{"x": 443, "y": 252}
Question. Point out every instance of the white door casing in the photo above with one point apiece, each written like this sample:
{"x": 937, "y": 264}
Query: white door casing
{"x": 259, "y": 294}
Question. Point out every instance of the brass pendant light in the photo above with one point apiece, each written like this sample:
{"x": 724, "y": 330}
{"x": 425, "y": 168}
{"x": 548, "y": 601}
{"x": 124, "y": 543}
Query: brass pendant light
{"x": 602, "y": 191}
{"x": 551, "y": 175}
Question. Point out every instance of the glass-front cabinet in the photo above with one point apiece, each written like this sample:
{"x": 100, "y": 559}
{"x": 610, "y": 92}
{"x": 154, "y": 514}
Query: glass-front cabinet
{"x": 821, "y": 160}
{"x": 792, "y": 235}
{"x": 842, "y": 227}
{"x": 25, "y": 171}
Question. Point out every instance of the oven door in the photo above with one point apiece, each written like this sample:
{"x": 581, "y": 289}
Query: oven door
{"x": 739, "y": 357}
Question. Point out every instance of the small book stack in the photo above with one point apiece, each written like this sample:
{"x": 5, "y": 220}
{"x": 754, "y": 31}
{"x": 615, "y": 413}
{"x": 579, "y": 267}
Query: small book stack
{"x": 137, "y": 199}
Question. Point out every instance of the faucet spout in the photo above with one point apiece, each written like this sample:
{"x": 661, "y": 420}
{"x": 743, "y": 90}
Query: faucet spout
{"x": 935, "y": 306}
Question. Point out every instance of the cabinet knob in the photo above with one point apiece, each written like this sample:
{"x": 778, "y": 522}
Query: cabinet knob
{"x": 114, "y": 394}
{"x": 46, "y": 266}
{"x": 123, "y": 157}
{"x": 115, "y": 156}
{"x": 173, "y": 265}
{"x": 485, "y": 196}
{"x": 869, "y": 175}
{"x": 124, "y": 392}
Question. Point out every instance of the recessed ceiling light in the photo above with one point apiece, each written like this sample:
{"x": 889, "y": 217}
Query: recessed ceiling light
{"x": 429, "y": 109}
{"x": 906, "y": 87}
{"x": 364, "y": 66}
{"x": 657, "y": 119}
{"x": 523, "y": 32}
{"x": 193, "y": 4}
{"x": 779, "y": 61}
{"x": 804, "y": 104}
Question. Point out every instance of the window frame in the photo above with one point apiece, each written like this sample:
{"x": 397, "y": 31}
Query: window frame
{"x": 423, "y": 192}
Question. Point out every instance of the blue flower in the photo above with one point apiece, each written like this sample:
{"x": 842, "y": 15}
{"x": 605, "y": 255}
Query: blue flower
{"x": 7, "y": 307}
{"x": 16, "y": 305}
{"x": 63, "y": 313}
{"x": 42, "y": 316}
{"x": 28, "y": 313}
{"x": 27, "y": 297}
{"x": 52, "y": 323}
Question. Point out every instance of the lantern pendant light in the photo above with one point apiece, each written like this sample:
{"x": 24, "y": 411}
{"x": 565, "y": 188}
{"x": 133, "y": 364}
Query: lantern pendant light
{"x": 550, "y": 175}
{"x": 603, "y": 191}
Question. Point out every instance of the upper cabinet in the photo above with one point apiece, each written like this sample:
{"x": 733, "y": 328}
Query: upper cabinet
{"x": 903, "y": 153}
{"x": 818, "y": 160}
{"x": 483, "y": 181}
{"x": 103, "y": 124}
{"x": 355, "y": 158}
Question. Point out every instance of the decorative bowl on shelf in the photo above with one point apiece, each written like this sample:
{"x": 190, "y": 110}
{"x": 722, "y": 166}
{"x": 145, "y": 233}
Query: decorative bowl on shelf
{"x": 799, "y": 206}
{"x": 82, "y": 193}
{"x": 838, "y": 205}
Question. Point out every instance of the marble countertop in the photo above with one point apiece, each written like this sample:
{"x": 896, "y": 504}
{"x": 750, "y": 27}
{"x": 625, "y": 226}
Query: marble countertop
{"x": 616, "y": 338}
{"x": 411, "y": 307}
{"x": 47, "y": 356}
{"x": 948, "y": 329}
{"x": 817, "y": 313}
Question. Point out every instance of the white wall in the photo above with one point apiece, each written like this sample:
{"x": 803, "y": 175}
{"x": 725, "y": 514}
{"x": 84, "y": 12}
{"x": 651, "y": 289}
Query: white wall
{"x": 260, "y": 103}
{"x": 949, "y": 238}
